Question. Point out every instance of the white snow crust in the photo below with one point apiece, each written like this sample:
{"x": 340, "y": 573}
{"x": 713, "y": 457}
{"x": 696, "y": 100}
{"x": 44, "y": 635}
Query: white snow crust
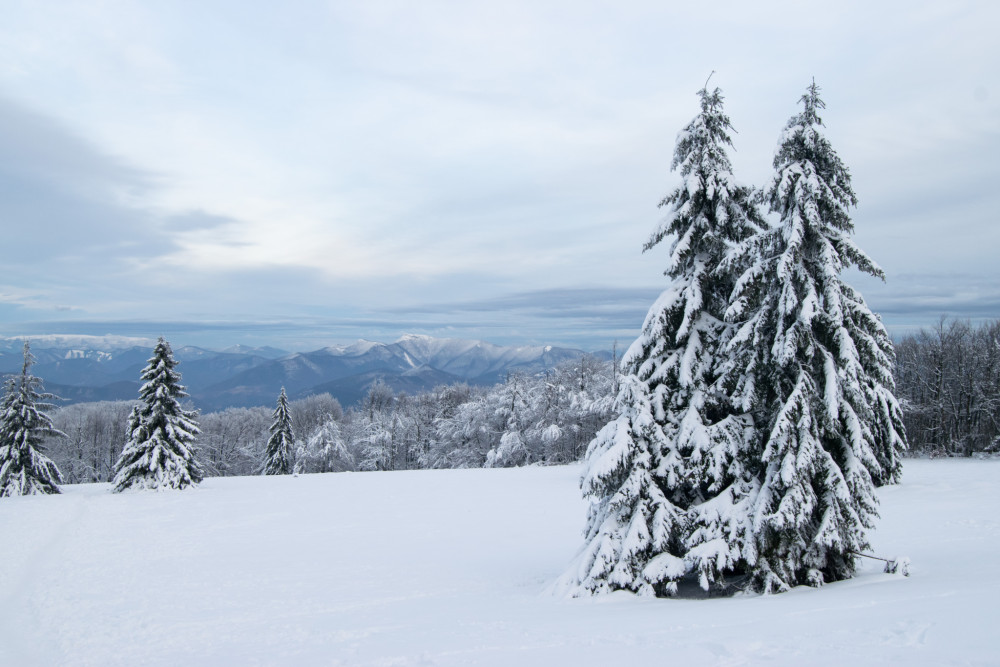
{"x": 453, "y": 567}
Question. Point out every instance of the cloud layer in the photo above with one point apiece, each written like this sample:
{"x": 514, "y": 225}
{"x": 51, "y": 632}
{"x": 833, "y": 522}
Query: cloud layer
{"x": 344, "y": 169}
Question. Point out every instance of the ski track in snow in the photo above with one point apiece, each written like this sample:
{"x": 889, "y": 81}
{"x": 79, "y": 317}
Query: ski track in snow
{"x": 450, "y": 568}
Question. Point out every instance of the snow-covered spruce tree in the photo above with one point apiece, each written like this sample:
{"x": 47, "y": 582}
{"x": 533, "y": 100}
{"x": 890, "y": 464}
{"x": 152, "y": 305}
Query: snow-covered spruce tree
{"x": 674, "y": 441}
{"x": 811, "y": 364}
{"x": 24, "y": 468}
{"x": 160, "y": 451}
{"x": 278, "y": 454}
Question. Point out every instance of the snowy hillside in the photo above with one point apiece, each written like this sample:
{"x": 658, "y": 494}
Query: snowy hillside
{"x": 451, "y": 568}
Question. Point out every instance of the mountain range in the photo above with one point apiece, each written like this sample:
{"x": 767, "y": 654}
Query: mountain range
{"x": 96, "y": 368}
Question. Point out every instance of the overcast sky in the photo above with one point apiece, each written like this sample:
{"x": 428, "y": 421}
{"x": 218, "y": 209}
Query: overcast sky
{"x": 304, "y": 173}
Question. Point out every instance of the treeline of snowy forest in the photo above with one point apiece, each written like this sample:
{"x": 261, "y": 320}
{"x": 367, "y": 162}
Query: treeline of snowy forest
{"x": 548, "y": 418}
{"x": 948, "y": 384}
{"x": 947, "y": 380}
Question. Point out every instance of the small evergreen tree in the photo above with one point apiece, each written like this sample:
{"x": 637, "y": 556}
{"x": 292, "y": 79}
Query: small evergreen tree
{"x": 160, "y": 451}
{"x": 24, "y": 468}
{"x": 278, "y": 455}
{"x": 676, "y": 437}
{"x": 811, "y": 364}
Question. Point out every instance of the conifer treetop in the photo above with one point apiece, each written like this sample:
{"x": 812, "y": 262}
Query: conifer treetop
{"x": 707, "y": 214}
{"x": 159, "y": 375}
{"x": 812, "y": 187}
{"x": 700, "y": 209}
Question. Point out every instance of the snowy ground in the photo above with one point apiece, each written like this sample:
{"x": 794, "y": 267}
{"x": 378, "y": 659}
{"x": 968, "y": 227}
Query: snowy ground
{"x": 450, "y": 568}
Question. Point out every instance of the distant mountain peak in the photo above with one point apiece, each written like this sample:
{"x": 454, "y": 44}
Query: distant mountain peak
{"x": 360, "y": 346}
{"x": 411, "y": 336}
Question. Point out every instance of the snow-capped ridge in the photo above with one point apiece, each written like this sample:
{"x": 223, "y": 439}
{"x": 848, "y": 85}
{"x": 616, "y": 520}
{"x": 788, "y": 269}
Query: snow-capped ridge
{"x": 245, "y": 377}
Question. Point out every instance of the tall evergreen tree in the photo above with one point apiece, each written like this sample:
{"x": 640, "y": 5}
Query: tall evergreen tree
{"x": 278, "y": 455}
{"x": 811, "y": 364}
{"x": 160, "y": 451}
{"x": 24, "y": 468}
{"x": 675, "y": 438}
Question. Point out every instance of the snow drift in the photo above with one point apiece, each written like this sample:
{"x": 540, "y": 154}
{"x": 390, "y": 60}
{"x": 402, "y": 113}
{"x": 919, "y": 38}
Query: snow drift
{"x": 450, "y": 568}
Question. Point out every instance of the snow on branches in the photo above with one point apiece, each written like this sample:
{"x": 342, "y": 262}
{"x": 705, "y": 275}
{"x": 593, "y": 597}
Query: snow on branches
{"x": 280, "y": 446}
{"x": 160, "y": 452}
{"x": 756, "y": 415}
{"x": 24, "y": 467}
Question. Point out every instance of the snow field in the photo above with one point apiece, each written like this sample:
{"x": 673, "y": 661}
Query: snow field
{"x": 451, "y": 568}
